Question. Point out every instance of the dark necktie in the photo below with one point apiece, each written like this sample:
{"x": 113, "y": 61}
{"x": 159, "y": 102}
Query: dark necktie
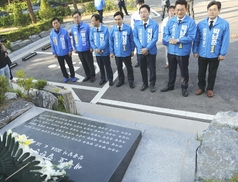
{"x": 145, "y": 25}
{"x": 211, "y": 25}
{"x": 78, "y": 27}
{"x": 179, "y": 21}
{"x": 97, "y": 29}
{"x": 119, "y": 28}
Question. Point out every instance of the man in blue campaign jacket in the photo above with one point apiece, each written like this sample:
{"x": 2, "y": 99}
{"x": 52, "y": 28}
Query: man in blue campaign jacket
{"x": 80, "y": 32}
{"x": 135, "y": 17}
{"x": 62, "y": 49}
{"x": 179, "y": 32}
{"x": 122, "y": 47}
{"x": 210, "y": 46}
{"x": 145, "y": 37}
{"x": 99, "y": 41}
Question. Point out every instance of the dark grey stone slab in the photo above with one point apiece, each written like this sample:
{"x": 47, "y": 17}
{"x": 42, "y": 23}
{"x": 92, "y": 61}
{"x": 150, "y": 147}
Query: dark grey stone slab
{"x": 100, "y": 152}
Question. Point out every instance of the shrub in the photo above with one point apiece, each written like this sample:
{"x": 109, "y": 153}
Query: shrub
{"x": 22, "y": 4}
{"x": 40, "y": 84}
{"x": 3, "y": 88}
{"x": 24, "y": 82}
{"x": 25, "y": 32}
{"x": 60, "y": 107}
{"x": 234, "y": 178}
{"x": 61, "y": 11}
{"x": 110, "y": 5}
{"x": 131, "y": 4}
{"x": 6, "y": 21}
{"x": 46, "y": 11}
{"x": 89, "y": 7}
{"x": 20, "y": 93}
{"x": 18, "y": 16}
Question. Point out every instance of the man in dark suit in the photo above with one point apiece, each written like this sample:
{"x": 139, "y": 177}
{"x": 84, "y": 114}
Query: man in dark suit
{"x": 165, "y": 4}
{"x": 121, "y": 5}
{"x": 190, "y": 8}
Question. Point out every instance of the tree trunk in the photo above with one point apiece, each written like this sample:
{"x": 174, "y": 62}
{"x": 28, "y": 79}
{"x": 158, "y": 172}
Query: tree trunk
{"x": 75, "y": 5}
{"x": 9, "y": 2}
{"x": 31, "y": 13}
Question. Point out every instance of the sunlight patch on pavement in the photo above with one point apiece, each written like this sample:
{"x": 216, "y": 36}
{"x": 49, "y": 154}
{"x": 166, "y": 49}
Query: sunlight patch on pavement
{"x": 66, "y": 85}
{"x": 172, "y": 112}
{"x": 52, "y": 66}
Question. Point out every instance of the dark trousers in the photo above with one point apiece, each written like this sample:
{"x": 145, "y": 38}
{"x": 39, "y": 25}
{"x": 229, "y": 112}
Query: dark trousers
{"x": 122, "y": 5}
{"x": 104, "y": 61}
{"x": 137, "y": 59}
{"x": 100, "y": 12}
{"x": 183, "y": 62}
{"x": 68, "y": 60}
{"x": 145, "y": 62}
{"x": 127, "y": 62}
{"x": 164, "y": 8}
{"x": 9, "y": 63}
{"x": 212, "y": 64}
{"x": 86, "y": 58}
{"x": 190, "y": 9}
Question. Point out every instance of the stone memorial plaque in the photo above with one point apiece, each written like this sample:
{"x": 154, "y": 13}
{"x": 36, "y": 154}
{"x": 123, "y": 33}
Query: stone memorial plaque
{"x": 100, "y": 152}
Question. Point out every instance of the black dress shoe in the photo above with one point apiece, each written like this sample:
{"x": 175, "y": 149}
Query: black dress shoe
{"x": 86, "y": 79}
{"x": 92, "y": 79}
{"x": 102, "y": 82}
{"x": 136, "y": 65}
{"x": 143, "y": 87}
{"x": 185, "y": 92}
{"x": 132, "y": 85}
{"x": 111, "y": 83}
{"x": 152, "y": 88}
{"x": 166, "y": 89}
{"x": 120, "y": 83}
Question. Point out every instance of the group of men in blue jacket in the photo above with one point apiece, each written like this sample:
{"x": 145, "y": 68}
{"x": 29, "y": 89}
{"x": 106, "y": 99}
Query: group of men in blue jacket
{"x": 208, "y": 40}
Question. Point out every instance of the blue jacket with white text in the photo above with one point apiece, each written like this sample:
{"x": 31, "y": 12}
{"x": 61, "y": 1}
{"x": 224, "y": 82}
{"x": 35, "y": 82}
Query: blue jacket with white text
{"x": 146, "y": 37}
{"x": 121, "y": 42}
{"x": 185, "y": 32}
{"x": 99, "y": 39}
{"x": 212, "y": 43}
{"x": 60, "y": 42}
{"x": 80, "y": 35}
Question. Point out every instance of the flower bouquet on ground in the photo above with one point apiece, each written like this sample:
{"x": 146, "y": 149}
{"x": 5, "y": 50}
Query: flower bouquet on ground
{"x": 20, "y": 163}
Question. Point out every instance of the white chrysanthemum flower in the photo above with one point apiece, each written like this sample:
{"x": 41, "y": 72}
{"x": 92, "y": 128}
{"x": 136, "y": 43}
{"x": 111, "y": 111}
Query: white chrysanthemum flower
{"x": 64, "y": 165}
{"x": 47, "y": 168}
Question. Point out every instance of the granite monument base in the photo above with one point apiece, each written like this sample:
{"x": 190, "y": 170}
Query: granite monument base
{"x": 100, "y": 152}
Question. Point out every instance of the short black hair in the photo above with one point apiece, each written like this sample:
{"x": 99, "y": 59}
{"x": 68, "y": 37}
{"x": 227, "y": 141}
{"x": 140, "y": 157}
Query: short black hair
{"x": 171, "y": 7}
{"x": 140, "y": 1}
{"x": 76, "y": 12}
{"x": 145, "y": 6}
{"x": 118, "y": 13}
{"x": 218, "y": 3}
{"x": 181, "y": 2}
{"x": 53, "y": 19}
{"x": 97, "y": 17}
